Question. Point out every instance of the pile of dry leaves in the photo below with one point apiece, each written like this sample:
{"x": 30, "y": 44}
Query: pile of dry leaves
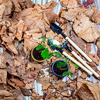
{"x": 21, "y": 24}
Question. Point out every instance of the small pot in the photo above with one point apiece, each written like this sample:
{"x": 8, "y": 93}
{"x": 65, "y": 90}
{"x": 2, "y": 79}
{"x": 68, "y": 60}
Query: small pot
{"x": 54, "y": 65}
{"x": 33, "y": 57}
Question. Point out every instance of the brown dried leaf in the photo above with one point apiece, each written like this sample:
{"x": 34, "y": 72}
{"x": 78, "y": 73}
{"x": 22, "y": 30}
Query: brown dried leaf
{"x": 37, "y": 17}
{"x": 66, "y": 28}
{"x": 69, "y": 3}
{"x": 71, "y": 14}
{"x": 25, "y": 91}
{"x": 93, "y": 87}
{"x": 64, "y": 2}
{"x": 85, "y": 29}
{"x": 78, "y": 41}
{"x": 29, "y": 44}
{"x": 94, "y": 57}
{"x": 72, "y": 4}
{"x": 11, "y": 84}
{"x": 3, "y": 75}
{"x": 17, "y": 63}
{"x": 33, "y": 66}
{"x": 9, "y": 38}
{"x": 3, "y": 62}
{"x": 84, "y": 75}
{"x": 96, "y": 15}
{"x": 88, "y": 47}
{"x": 65, "y": 93}
{"x": 5, "y": 93}
{"x": 17, "y": 94}
{"x": 12, "y": 48}
{"x": 2, "y": 8}
{"x": 92, "y": 65}
{"x": 34, "y": 34}
{"x": 98, "y": 42}
{"x": 98, "y": 52}
{"x": 49, "y": 5}
{"x": 8, "y": 58}
{"x": 85, "y": 93}
{"x": 17, "y": 82}
{"x": 51, "y": 16}
{"x": 59, "y": 83}
{"x": 72, "y": 68}
{"x": 8, "y": 98}
{"x": 50, "y": 34}
{"x": 34, "y": 96}
{"x": 8, "y": 8}
{"x": 45, "y": 81}
{"x": 20, "y": 29}
{"x": 29, "y": 85}
{"x": 78, "y": 1}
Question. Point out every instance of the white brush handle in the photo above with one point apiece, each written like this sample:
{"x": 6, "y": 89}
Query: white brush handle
{"x": 80, "y": 65}
{"x": 85, "y": 64}
{"x": 75, "y": 46}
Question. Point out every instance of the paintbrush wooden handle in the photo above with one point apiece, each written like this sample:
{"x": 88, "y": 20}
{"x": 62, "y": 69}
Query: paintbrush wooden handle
{"x": 79, "y": 64}
{"x": 85, "y": 64}
{"x": 75, "y": 46}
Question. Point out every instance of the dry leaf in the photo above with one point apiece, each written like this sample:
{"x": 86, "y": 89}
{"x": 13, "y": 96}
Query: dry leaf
{"x": 64, "y": 2}
{"x": 3, "y": 75}
{"x": 17, "y": 82}
{"x": 94, "y": 57}
{"x": 49, "y": 5}
{"x": 34, "y": 34}
{"x": 65, "y": 93}
{"x": 25, "y": 91}
{"x": 88, "y": 47}
{"x": 92, "y": 65}
{"x": 20, "y": 29}
{"x": 2, "y": 61}
{"x": 29, "y": 85}
{"x": 93, "y": 87}
{"x": 96, "y": 15}
{"x": 8, "y": 8}
{"x": 50, "y": 34}
{"x": 51, "y": 16}
{"x": 69, "y": 3}
{"x": 12, "y": 48}
{"x": 9, "y": 38}
{"x": 72, "y": 4}
{"x": 98, "y": 52}
{"x": 2, "y": 8}
{"x": 37, "y": 17}
{"x": 5, "y": 93}
{"x": 66, "y": 28}
{"x": 98, "y": 42}
{"x": 84, "y": 75}
{"x": 29, "y": 44}
{"x": 85, "y": 93}
{"x": 85, "y": 29}
{"x": 45, "y": 81}
{"x": 78, "y": 41}
{"x": 8, "y": 58}
{"x": 72, "y": 68}
{"x": 78, "y": 1}
{"x": 17, "y": 63}
{"x": 71, "y": 14}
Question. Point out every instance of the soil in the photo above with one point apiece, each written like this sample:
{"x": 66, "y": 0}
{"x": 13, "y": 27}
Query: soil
{"x": 37, "y": 54}
{"x": 58, "y": 71}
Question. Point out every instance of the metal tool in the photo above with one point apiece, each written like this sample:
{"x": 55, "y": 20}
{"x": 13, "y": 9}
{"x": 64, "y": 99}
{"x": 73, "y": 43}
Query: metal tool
{"x": 65, "y": 45}
{"x": 58, "y": 30}
{"x": 52, "y": 44}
